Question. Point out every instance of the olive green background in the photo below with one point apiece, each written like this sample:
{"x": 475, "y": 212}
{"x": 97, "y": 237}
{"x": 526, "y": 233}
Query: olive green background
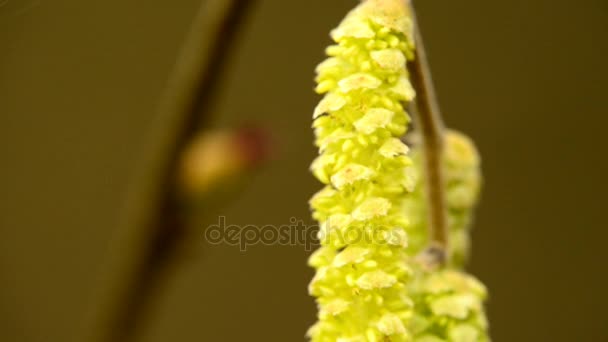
{"x": 79, "y": 81}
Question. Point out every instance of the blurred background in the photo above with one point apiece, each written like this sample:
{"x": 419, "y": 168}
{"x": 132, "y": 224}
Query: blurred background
{"x": 79, "y": 84}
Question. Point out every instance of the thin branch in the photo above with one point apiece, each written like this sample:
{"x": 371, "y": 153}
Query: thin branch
{"x": 430, "y": 124}
{"x": 152, "y": 228}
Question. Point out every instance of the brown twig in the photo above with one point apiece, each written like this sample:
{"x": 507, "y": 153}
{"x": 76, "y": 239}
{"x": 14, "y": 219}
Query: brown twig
{"x": 430, "y": 124}
{"x": 152, "y": 228}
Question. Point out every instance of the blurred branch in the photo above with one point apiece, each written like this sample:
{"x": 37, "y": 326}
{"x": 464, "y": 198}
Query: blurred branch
{"x": 152, "y": 228}
{"x": 430, "y": 125}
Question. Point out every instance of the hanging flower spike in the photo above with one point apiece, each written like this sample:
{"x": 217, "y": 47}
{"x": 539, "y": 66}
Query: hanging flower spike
{"x": 449, "y": 308}
{"x": 362, "y": 271}
{"x": 463, "y": 182}
{"x": 448, "y": 304}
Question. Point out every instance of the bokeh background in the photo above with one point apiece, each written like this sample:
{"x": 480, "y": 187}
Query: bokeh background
{"x": 79, "y": 83}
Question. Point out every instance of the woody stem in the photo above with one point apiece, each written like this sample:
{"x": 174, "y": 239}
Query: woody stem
{"x": 431, "y": 128}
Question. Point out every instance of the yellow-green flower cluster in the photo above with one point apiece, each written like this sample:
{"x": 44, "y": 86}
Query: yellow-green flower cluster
{"x": 463, "y": 181}
{"x": 361, "y": 283}
{"x": 372, "y": 211}
{"x": 449, "y": 307}
{"x": 448, "y": 304}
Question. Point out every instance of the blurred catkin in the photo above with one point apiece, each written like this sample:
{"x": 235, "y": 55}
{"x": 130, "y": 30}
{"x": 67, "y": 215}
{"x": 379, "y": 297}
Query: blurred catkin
{"x": 463, "y": 182}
